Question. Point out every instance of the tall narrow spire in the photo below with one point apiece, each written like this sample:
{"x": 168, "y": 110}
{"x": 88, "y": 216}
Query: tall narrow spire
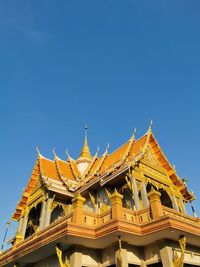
{"x": 86, "y": 133}
{"x": 85, "y": 152}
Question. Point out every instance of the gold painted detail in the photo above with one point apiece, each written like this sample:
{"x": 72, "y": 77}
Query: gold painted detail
{"x": 78, "y": 201}
{"x": 18, "y": 238}
{"x": 153, "y": 173}
{"x": 96, "y": 170}
{"x": 151, "y": 157}
{"x": 59, "y": 255}
{"x": 92, "y": 198}
{"x": 179, "y": 261}
{"x": 131, "y": 141}
{"x": 72, "y": 186}
{"x": 67, "y": 208}
{"x": 108, "y": 193}
{"x": 104, "y": 207}
{"x": 35, "y": 198}
{"x": 34, "y": 204}
{"x": 129, "y": 183}
{"x": 35, "y": 227}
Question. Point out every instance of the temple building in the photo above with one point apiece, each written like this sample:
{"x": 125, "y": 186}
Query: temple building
{"x": 126, "y": 209}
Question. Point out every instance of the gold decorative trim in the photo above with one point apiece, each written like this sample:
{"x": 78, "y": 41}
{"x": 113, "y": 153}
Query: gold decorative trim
{"x": 179, "y": 261}
{"x": 59, "y": 255}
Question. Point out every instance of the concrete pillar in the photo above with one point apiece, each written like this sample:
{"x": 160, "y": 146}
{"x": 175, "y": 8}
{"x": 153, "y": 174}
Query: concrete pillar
{"x": 143, "y": 264}
{"x": 42, "y": 215}
{"x": 174, "y": 203}
{"x": 145, "y": 200}
{"x": 116, "y": 201}
{"x": 121, "y": 254}
{"x": 155, "y": 203}
{"x": 77, "y": 204}
{"x": 76, "y": 259}
{"x": 23, "y": 226}
{"x": 20, "y": 235}
{"x": 45, "y": 215}
{"x": 136, "y": 196}
{"x": 166, "y": 255}
{"x": 20, "y": 226}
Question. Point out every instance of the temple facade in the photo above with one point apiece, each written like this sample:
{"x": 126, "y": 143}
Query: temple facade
{"x": 126, "y": 209}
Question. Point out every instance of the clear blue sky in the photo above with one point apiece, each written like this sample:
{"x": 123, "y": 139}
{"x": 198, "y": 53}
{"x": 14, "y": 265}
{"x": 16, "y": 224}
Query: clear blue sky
{"x": 111, "y": 64}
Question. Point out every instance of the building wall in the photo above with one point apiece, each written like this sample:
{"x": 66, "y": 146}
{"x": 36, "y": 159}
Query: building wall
{"x": 48, "y": 262}
{"x": 132, "y": 256}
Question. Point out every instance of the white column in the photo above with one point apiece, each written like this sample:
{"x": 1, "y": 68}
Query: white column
{"x": 76, "y": 259}
{"x": 183, "y": 206}
{"x": 47, "y": 212}
{"x": 23, "y": 226}
{"x": 20, "y": 226}
{"x": 43, "y": 215}
{"x": 166, "y": 256}
{"x": 124, "y": 257}
{"x": 174, "y": 203}
{"x": 136, "y": 196}
{"x": 145, "y": 200}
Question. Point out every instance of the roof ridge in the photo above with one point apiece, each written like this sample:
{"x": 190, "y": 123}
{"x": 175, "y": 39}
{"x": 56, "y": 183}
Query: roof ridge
{"x": 89, "y": 167}
{"x": 136, "y": 140}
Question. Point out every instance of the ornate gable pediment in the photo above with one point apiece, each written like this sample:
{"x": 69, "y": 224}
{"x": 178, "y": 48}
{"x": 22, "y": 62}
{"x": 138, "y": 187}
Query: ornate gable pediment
{"x": 150, "y": 157}
{"x": 151, "y": 167}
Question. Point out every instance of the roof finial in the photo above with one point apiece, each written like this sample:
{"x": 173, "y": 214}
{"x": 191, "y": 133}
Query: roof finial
{"x": 134, "y": 132}
{"x": 150, "y": 125}
{"x": 86, "y": 133}
{"x": 54, "y": 153}
{"x": 68, "y": 156}
{"x": 106, "y": 151}
{"x": 38, "y": 151}
{"x": 97, "y": 151}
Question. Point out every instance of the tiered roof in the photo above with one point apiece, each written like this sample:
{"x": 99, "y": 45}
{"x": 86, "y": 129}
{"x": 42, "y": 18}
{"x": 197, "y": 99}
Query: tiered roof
{"x": 64, "y": 176}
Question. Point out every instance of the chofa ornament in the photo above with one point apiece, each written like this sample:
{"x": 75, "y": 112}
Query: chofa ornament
{"x": 59, "y": 255}
{"x": 179, "y": 261}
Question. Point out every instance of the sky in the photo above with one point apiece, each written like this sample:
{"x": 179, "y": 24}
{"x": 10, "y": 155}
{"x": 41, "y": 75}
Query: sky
{"x": 111, "y": 64}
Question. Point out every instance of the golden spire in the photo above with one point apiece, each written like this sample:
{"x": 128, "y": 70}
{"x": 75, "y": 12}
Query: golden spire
{"x": 85, "y": 152}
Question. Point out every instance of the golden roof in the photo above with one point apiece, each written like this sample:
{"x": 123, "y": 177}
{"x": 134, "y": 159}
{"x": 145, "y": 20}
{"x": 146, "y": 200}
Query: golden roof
{"x": 67, "y": 172}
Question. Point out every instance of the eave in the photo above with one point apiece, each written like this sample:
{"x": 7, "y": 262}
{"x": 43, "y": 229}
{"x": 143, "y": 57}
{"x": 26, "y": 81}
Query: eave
{"x": 169, "y": 226}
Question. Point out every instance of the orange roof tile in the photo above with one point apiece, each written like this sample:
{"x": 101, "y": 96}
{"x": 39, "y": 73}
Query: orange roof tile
{"x": 48, "y": 168}
{"x": 65, "y": 169}
{"x": 113, "y": 158}
{"x": 137, "y": 147}
{"x": 74, "y": 169}
{"x": 32, "y": 181}
{"x": 96, "y": 165}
